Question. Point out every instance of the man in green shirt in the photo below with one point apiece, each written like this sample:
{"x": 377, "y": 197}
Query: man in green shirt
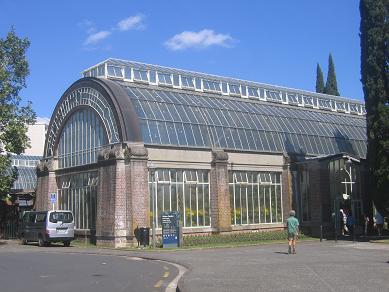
{"x": 292, "y": 224}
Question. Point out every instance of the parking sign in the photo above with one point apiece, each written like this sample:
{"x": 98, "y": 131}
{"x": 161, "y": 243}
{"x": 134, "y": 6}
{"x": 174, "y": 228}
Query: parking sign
{"x": 53, "y": 198}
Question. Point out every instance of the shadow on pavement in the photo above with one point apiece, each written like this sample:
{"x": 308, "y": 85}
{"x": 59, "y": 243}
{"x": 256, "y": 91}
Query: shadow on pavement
{"x": 281, "y": 252}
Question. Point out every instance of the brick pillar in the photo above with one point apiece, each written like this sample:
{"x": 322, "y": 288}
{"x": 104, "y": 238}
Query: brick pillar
{"x": 111, "y": 218}
{"x": 138, "y": 199}
{"x": 220, "y": 196}
{"x": 287, "y": 188}
{"x": 46, "y": 184}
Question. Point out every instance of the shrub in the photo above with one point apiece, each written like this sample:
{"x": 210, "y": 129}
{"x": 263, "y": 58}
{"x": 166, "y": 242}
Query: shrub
{"x": 231, "y": 238}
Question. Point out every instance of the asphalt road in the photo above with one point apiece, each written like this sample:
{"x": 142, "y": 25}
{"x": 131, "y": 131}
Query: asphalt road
{"x": 37, "y": 269}
{"x": 317, "y": 266}
{"x": 326, "y": 266}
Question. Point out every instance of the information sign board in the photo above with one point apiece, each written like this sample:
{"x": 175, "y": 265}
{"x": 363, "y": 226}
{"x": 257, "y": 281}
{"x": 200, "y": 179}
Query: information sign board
{"x": 170, "y": 229}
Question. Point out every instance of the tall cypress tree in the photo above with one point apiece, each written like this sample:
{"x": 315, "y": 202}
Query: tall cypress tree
{"x": 331, "y": 84}
{"x": 319, "y": 79}
{"x": 375, "y": 79}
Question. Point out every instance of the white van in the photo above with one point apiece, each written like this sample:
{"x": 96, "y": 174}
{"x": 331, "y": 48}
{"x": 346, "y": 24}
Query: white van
{"x": 47, "y": 226}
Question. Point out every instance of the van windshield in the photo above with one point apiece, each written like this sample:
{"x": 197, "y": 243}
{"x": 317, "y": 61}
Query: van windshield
{"x": 65, "y": 217}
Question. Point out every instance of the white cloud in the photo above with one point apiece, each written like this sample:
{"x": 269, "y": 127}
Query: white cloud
{"x": 202, "y": 39}
{"x": 132, "y": 22}
{"x": 42, "y": 120}
{"x": 88, "y": 26}
{"x": 96, "y": 37}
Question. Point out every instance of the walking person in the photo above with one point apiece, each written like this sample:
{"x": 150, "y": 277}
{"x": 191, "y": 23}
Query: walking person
{"x": 342, "y": 222}
{"x": 350, "y": 223}
{"x": 292, "y": 224}
{"x": 379, "y": 223}
{"x": 366, "y": 221}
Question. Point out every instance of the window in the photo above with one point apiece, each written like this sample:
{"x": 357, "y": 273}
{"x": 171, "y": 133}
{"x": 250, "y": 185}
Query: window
{"x": 65, "y": 217}
{"x": 164, "y": 79}
{"x": 211, "y": 85}
{"x": 78, "y": 193}
{"x": 31, "y": 217}
{"x": 198, "y": 83}
{"x": 140, "y": 75}
{"x": 325, "y": 104}
{"x": 308, "y": 100}
{"x": 114, "y": 71}
{"x": 186, "y": 191}
{"x": 255, "y": 197}
{"x": 234, "y": 89}
{"x": 101, "y": 70}
{"x": 353, "y": 108}
{"x": 224, "y": 87}
{"x": 305, "y": 197}
{"x": 176, "y": 80}
{"x": 40, "y": 217}
{"x": 340, "y": 106}
{"x": 253, "y": 92}
{"x": 153, "y": 76}
{"x": 81, "y": 139}
{"x": 273, "y": 96}
{"x": 187, "y": 82}
{"x": 127, "y": 72}
{"x": 244, "y": 90}
{"x": 292, "y": 98}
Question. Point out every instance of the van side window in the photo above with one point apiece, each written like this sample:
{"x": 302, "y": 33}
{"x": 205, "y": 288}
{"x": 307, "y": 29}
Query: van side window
{"x": 40, "y": 217}
{"x": 31, "y": 217}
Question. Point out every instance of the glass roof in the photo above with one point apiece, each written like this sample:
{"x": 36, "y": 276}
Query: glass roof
{"x": 26, "y": 179}
{"x": 163, "y": 76}
{"x": 193, "y": 119}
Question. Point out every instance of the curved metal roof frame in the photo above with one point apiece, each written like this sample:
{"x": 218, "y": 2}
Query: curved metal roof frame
{"x": 119, "y": 104}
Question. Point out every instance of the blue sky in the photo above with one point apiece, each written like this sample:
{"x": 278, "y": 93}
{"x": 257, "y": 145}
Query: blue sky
{"x": 276, "y": 42}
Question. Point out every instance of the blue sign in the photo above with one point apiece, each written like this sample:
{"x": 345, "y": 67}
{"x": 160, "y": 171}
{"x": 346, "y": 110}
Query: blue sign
{"x": 170, "y": 229}
{"x": 53, "y": 198}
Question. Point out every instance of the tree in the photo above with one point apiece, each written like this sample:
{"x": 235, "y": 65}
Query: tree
{"x": 14, "y": 117}
{"x": 319, "y": 79}
{"x": 375, "y": 79}
{"x": 331, "y": 84}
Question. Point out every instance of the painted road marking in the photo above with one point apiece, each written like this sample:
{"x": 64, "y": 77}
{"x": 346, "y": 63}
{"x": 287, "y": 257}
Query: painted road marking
{"x": 166, "y": 274}
{"x": 159, "y": 283}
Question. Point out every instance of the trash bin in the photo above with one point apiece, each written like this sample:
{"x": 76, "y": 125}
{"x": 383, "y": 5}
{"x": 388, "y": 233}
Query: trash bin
{"x": 144, "y": 236}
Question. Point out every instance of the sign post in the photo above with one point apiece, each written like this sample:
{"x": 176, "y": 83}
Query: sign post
{"x": 170, "y": 229}
{"x": 53, "y": 199}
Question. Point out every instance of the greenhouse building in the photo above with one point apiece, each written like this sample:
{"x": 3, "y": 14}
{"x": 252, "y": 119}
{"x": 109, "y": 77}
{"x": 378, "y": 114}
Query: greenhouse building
{"x": 230, "y": 155}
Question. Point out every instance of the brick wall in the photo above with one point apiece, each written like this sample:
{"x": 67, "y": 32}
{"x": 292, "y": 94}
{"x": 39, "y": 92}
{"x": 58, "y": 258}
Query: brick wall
{"x": 138, "y": 195}
{"x": 220, "y": 196}
{"x": 111, "y": 215}
{"x": 46, "y": 184}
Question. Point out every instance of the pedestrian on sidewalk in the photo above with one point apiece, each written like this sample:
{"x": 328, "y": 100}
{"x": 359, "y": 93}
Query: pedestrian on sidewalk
{"x": 292, "y": 224}
{"x": 379, "y": 223}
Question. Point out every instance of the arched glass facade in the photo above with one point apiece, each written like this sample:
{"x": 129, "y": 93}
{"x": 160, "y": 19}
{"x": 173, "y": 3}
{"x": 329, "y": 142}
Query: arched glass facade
{"x": 82, "y": 137}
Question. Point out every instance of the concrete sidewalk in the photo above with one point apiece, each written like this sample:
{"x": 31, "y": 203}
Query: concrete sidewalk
{"x": 326, "y": 266}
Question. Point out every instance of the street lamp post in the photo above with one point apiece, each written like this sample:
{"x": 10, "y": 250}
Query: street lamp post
{"x": 153, "y": 202}
{"x": 349, "y": 162}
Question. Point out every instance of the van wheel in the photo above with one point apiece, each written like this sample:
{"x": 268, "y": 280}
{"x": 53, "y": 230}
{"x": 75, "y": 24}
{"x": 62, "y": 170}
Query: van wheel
{"x": 23, "y": 240}
{"x": 66, "y": 243}
{"x": 41, "y": 242}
